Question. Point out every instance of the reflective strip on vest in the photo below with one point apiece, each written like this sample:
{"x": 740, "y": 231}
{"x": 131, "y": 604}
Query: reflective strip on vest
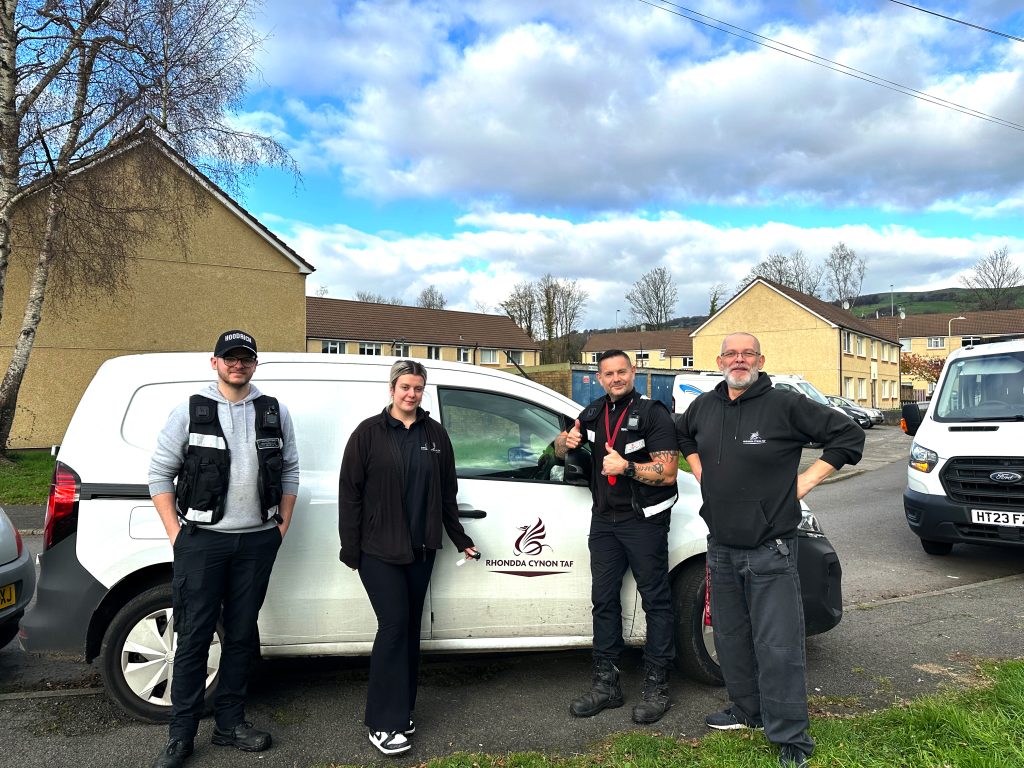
{"x": 660, "y": 506}
{"x": 207, "y": 441}
{"x": 199, "y": 515}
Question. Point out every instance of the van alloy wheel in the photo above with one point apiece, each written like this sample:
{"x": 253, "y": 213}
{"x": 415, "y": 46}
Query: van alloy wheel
{"x": 137, "y": 658}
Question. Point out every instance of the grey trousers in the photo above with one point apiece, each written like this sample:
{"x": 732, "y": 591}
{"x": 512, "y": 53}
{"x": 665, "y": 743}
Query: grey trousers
{"x": 758, "y": 616}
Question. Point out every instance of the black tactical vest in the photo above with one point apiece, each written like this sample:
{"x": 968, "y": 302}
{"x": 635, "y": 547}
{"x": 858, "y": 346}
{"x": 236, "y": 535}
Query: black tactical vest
{"x": 202, "y": 482}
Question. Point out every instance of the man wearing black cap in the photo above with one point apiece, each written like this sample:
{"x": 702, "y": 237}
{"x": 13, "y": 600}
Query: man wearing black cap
{"x": 224, "y": 477}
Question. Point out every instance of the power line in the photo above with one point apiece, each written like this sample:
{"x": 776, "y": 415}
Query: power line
{"x": 959, "y": 21}
{"x": 821, "y": 61}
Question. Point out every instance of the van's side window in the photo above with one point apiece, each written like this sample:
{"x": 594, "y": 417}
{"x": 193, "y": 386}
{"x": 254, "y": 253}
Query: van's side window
{"x": 500, "y": 437}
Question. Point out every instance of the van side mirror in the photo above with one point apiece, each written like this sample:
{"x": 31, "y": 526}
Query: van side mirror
{"x": 912, "y": 418}
{"x": 578, "y": 466}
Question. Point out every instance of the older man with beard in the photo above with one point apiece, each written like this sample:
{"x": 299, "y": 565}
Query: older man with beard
{"x": 743, "y": 442}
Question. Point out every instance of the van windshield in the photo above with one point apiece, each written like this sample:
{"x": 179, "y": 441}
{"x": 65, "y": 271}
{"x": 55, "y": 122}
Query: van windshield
{"x": 808, "y": 389}
{"x": 984, "y": 388}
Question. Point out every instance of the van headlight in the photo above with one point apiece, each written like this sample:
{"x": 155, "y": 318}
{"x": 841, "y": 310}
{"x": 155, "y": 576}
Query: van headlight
{"x": 809, "y": 523}
{"x": 923, "y": 459}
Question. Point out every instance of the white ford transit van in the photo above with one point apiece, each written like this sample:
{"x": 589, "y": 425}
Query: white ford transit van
{"x": 104, "y": 589}
{"x": 965, "y": 479}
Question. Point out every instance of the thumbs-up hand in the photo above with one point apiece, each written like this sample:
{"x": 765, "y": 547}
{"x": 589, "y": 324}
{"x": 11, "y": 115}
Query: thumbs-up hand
{"x": 613, "y": 463}
{"x": 574, "y": 437}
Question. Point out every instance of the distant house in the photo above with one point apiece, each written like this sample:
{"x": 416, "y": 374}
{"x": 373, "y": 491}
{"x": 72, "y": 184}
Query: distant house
{"x": 648, "y": 349}
{"x": 939, "y": 334}
{"x": 339, "y": 326}
{"x": 231, "y": 273}
{"x": 799, "y": 334}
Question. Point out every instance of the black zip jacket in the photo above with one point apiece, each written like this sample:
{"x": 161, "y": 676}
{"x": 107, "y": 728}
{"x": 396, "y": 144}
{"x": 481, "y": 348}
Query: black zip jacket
{"x": 371, "y": 486}
{"x": 749, "y": 451}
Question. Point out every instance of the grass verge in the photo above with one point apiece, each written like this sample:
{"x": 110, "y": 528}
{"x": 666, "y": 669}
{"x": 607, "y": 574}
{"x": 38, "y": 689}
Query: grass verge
{"x": 26, "y": 479}
{"x": 980, "y": 727}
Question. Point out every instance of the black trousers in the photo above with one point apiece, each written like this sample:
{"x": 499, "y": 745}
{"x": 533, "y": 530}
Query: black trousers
{"x": 396, "y": 593}
{"x": 641, "y": 545}
{"x": 216, "y": 574}
{"x": 758, "y": 615}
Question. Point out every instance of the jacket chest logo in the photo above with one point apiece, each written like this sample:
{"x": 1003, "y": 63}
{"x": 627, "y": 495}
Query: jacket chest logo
{"x": 754, "y": 439}
{"x": 430, "y": 446}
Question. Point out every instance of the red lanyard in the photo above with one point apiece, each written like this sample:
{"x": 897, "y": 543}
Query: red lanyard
{"x": 610, "y": 436}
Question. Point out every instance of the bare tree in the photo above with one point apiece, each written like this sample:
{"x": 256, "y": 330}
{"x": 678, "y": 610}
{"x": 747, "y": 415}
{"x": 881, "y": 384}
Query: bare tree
{"x": 794, "y": 271}
{"x": 431, "y": 298}
{"x": 571, "y": 299}
{"x": 482, "y": 307}
{"x": 993, "y": 281}
{"x": 522, "y": 307}
{"x": 87, "y": 89}
{"x": 653, "y": 298}
{"x": 378, "y": 298}
{"x": 321, "y": 290}
{"x": 844, "y": 274}
{"x": 714, "y": 297}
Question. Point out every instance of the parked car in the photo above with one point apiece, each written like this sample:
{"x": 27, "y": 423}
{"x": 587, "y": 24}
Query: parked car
{"x": 857, "y": 415}
{"x": 105, "y": 573}
{"x": 874, "y": 415}
{"x": 965, "y": 476}
{"x": 17, "y": 579}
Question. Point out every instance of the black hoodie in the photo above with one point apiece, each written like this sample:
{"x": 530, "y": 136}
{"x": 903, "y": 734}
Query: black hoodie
{"x": 749, "y": 451}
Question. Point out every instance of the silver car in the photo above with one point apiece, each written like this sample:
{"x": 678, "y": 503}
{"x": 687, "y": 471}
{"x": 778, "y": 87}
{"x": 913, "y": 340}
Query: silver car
{"x": 17, "y": 579}
{"x": 876, "y": 416}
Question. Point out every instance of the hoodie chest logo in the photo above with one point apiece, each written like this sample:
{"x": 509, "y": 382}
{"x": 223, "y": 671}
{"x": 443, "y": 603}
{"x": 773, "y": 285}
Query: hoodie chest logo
{"x": 430, "y": 446}
{"x": 754, "y": 439}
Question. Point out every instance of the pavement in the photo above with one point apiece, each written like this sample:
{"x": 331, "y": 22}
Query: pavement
{"x": 883, "y": 445}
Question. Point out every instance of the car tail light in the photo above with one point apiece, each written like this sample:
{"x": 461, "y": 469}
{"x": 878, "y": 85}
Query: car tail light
{"x": 20, "y": 543}
{"x": 61, "y": 506}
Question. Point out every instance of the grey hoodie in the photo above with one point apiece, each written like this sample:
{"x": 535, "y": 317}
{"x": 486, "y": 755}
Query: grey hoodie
{"x": 238, "y": 421}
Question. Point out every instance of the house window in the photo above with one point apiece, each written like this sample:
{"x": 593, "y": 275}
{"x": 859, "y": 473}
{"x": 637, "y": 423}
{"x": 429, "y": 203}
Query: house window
{"x": 904, "y": 345}
{"x": 873, "y": 345}
{"x": 970, "y": 341}
{"x": 515, "y": 356}
{"x": 688, "y": 362}
{"x": 885, "y": 353}
{"x": 400, "y": 350}
{"x": 489, "y": 356}
{"x": 433, "y": 353}
{"x": 862, "y": 391}
{"x": 332, "y": 347}
{"x": 860, "y": 346}
{"x": 642, "y": 357}
{"x": 463, "y": 354}
{"x": 936, "y": 342}
{"x": 593, "y": 358}
{"x": 847, "y": 342}
{"x": 847, "y": 387}
{"x": 369, "y": 348}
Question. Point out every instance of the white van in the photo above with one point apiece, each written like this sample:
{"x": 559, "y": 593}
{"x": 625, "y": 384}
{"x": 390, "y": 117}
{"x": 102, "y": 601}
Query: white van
{"x": 687, "y": 386}
{"x": 104, "y": 588}
{"x": 965, "y": 479}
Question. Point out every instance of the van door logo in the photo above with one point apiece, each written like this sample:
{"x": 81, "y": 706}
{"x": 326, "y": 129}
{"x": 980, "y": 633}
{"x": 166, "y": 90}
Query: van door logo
{"x": 531, "y": 542}
{"x": 525, "y": 560}
{"x": 1007, "y": 478}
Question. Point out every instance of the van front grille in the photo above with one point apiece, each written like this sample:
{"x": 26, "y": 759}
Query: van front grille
{"x": 969, "y": 481}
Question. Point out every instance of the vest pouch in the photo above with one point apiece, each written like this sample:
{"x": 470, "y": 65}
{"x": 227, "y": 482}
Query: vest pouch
{"x": 271, "y": 491}
{"x": 207, "y": 486}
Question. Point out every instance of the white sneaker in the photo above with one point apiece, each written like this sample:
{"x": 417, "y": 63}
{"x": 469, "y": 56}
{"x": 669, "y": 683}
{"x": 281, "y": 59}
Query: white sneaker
{"x": 390, "y": 742}
{"x": 410, "y": 729}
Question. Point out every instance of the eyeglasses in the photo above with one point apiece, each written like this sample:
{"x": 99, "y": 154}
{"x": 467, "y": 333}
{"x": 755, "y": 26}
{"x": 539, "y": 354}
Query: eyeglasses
{"x": 246, "y": 362}
{"x": 733, "y": 354}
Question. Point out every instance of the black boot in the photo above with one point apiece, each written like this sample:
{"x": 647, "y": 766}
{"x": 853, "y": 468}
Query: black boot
{"x": 654, "y": 696}
{"x": 605, "y": 692}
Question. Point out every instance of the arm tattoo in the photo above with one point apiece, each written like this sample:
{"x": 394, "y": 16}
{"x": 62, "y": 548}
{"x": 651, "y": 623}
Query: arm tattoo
{"x": 656, "y": 467}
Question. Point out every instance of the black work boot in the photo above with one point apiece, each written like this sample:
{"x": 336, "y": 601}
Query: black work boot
{"x": 605, "y": 692}
{"x": 654, "y": 696}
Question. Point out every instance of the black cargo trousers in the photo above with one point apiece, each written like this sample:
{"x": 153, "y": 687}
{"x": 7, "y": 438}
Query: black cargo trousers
{"x": 217, "y": 576}
{"x": 758, "y": 616}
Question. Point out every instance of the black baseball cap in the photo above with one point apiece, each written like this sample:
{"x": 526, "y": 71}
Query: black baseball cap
{"x": 230, "y": 340}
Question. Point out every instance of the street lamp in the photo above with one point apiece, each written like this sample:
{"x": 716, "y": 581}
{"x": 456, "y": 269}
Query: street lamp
{"x": 616, "y": 321}
{"x": 892, "y": 303}
{"x": 949, "y": 325}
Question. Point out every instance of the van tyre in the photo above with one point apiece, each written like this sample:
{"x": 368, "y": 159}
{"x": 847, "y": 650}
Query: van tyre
{"x": 137, "y": 652}
{"x": 695, "y": 643}
{"x": 936, "y": 547}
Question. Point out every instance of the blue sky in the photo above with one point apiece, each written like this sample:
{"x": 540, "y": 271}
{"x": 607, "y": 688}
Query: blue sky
{"x": 473, "y": 145}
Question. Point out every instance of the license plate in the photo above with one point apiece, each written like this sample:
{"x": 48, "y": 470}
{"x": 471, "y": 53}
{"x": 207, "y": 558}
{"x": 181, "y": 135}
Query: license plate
{"x": 8, "y": 595}
{"x": 993, "y": 517}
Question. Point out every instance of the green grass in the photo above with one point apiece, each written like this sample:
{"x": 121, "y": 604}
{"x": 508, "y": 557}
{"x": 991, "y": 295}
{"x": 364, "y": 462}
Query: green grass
{"x": 26, "y": 480}
{"x": 977, "y": 727}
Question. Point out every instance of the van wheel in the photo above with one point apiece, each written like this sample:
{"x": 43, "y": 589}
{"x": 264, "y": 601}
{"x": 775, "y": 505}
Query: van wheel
{"x": 137, "y": 657}
{"x": 936, "y": 547}
{"x": 695, "y": 643}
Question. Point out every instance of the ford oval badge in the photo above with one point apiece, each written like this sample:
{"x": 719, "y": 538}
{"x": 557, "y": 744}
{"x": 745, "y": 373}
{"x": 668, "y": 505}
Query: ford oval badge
{"x": 1006, "y": 477}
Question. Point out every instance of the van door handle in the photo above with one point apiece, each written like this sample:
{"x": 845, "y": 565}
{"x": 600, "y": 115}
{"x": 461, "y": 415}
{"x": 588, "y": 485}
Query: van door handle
{"x": 474, "y": 514}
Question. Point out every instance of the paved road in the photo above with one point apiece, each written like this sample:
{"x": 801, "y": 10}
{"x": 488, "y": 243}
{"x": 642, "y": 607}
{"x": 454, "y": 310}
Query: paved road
{"x": 949, "y": 611}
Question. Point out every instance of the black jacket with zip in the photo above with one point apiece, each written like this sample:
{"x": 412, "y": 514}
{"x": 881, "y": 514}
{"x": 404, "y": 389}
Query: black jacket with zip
{"x": 749, "y": 452}
{"x": 371, "y": 517}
